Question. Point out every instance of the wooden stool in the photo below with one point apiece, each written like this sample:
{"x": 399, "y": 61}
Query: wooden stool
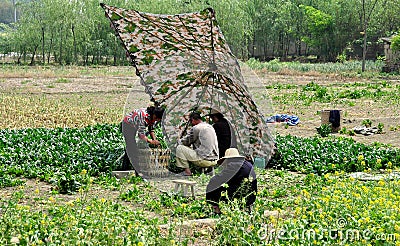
{"x": 184, "y": 184}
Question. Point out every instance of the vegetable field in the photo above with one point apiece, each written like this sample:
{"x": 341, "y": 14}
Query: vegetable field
{"x": 60, "y": 140}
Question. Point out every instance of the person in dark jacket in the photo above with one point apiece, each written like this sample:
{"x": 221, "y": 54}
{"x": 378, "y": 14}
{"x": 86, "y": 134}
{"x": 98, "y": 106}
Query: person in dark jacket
{"x": 225, "y": 134}
{"x": 239, "y": 175}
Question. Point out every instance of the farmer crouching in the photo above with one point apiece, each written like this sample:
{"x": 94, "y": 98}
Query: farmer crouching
{"x": 205, "y": 146}
{"x": 239, "y": 176}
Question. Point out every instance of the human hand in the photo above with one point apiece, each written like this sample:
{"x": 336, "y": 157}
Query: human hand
{"x": 154, "y": 142}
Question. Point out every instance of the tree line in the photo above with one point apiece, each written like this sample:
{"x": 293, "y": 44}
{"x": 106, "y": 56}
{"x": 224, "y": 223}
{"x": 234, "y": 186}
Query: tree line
{"x": 77, "y": 32}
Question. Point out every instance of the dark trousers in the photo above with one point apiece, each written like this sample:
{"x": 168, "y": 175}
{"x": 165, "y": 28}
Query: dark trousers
{"x": 239, "y": 191}
{"x": 239, "y": 186}
{"x": 131, "y": 158}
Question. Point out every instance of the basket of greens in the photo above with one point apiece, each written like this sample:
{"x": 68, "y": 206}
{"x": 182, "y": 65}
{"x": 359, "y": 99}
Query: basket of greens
{"x": 154, "y": 161}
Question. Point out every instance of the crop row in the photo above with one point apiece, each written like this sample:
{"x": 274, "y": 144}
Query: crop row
{"x": 326, "y": 155}
{"x": 61, "y": 154}
{"x": 58, "y": 154}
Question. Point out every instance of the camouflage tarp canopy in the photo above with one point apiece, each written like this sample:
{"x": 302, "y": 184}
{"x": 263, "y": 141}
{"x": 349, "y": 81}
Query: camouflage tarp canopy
{"x": 185, "y": 64}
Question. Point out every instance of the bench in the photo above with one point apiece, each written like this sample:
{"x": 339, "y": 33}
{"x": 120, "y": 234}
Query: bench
{"x": 181, "y": 184}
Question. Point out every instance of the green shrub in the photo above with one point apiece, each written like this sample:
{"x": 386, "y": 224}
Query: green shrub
{"x": 367, "y": 123}
{"x": 395, "y": 46}
{"x": 324, "y": 130}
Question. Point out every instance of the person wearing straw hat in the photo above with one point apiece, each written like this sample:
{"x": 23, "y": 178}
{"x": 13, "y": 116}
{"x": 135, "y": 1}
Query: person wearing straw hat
{"x": 205, "y": 146}
{"x": 238, "y": 173}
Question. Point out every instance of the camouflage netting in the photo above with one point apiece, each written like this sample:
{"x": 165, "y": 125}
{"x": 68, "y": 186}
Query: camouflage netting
{"x": 185, "y": 64}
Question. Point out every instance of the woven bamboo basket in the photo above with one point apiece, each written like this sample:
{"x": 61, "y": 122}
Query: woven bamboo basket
{"x": 325, "y": 119}
{"x": 154, "y": 162}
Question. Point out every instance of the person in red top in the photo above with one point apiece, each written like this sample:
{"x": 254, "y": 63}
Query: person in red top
{"x": 137, "y": 123}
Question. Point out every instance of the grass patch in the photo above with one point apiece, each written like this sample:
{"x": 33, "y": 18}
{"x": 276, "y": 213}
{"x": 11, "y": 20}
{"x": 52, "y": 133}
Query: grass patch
{"x": 13, "y": 71}
{"x": 24, "y": 82}
{"x": 62, "y": 80}
{"x": 346, "y": 69}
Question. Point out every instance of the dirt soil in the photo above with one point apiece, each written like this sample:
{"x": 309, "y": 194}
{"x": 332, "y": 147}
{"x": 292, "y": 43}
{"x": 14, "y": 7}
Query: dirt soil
{"x": 129, "y": 94}
{"x": 351, "y": 116}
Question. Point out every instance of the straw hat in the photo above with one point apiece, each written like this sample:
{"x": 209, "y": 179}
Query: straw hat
{"x": 214, "y": 112}
{"x": 230, "y": 153}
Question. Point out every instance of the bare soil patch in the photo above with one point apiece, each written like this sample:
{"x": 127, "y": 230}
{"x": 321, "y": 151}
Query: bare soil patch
{"x": 112, "y": 91}
{"x": 352, "y": 113}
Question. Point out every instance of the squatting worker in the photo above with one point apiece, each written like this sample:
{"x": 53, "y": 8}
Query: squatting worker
{"x": 136, "y": 123}
{"x": 239, "y": 176}
{"x": 205, "y": 145}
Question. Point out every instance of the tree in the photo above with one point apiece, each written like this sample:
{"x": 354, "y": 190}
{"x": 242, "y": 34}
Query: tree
{"x": 395, "y": 46}
{"x": 367, "y": 8}
{"x": 319, "y": 27}
{"x": 15, "y": 10}
{"x": 76, "y": 31}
